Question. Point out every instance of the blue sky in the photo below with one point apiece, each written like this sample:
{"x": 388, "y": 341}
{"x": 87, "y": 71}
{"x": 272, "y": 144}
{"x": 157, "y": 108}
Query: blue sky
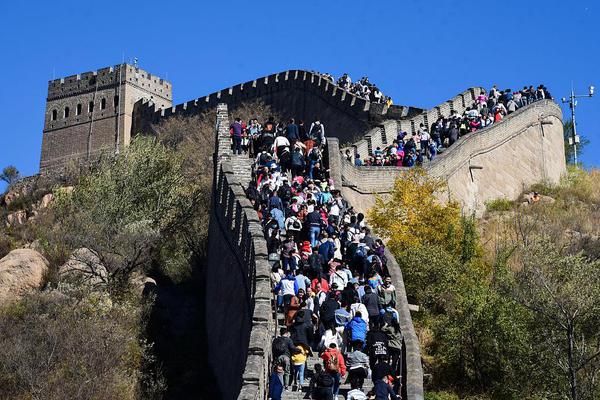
{"x": 420, "y": 52}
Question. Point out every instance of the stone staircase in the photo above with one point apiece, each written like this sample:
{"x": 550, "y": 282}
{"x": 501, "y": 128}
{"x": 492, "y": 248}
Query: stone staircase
{"x": 309, "y": 372}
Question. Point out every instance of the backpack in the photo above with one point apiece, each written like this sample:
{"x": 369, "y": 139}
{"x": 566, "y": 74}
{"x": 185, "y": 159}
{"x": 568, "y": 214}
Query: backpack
{"x": 279, "y": 346}
{"x": 332, "y": 363}
{"x": 315, "y": 132}
{"x": 314, "y": 154}
{"x": 324, "y": 380}
{"x": 296, "y": 224}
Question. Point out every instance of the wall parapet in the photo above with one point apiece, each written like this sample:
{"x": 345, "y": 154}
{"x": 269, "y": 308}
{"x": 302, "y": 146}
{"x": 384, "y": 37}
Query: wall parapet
{"x": 239, "y": 225}
{"x": 543, "y": 153}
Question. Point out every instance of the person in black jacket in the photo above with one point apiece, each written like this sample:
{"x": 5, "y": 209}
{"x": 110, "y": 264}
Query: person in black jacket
{"x": 377, "y": 346}
{"x": 327, "y": 311}
{"x": 282, "y": 349}
{"x": 302, "y": 329}
{"x": 321, "y": 385}
{"x": 371, "y": 302}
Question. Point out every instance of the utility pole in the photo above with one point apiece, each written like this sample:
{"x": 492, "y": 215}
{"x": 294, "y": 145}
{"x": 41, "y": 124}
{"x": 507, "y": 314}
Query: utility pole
{"x": 574, "y": 139}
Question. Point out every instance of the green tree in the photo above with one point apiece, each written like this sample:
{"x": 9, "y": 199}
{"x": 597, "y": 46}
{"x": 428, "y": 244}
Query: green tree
{"x": 10, "y": 175}
{"x": 568, "y": 135}
{"x": 562, "y": 292}
{"x": 129, "y": 208}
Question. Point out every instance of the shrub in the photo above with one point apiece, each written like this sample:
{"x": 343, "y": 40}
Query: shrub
{"x": 68, "y": 346}
{"x": 499, "y": 205}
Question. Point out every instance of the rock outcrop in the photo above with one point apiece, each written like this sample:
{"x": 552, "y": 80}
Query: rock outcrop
{"x": 21, "y": 270}
{"x": 84, "y": 266}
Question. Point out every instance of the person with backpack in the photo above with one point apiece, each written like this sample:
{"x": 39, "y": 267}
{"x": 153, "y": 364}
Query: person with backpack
{"x": 321, "y": 385}
{"x": 317, "y": 131}
{"x": 334, "y": 365}
{"x": 285, "y": 192}
{"x": 293, "y": 227}
{"x": 377, "y": 346}
{"x": 282, "y": 349}
{"x": 356, "y": 329}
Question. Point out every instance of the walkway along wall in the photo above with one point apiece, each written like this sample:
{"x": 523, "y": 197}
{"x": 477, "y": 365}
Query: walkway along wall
{"x": 413, "y": 377}
{"x": 500, "y": 161}
{"x": 238, "y": 292}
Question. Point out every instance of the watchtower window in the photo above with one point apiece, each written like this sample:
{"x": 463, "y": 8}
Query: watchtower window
{"x": 66, "y": 112}
{"x": 91, "y": 107}
{"x": 54, "y": 115}
{"x": 103, "y": 104}
{"x": 116, "y": 101}
{"x": 78, "y": 110}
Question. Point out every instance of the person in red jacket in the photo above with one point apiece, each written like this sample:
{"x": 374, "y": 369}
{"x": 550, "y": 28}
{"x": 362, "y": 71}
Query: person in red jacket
{"x": 334, "y": 364}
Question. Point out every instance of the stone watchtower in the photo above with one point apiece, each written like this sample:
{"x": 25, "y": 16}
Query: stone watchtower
{"x": 91, "y": 113}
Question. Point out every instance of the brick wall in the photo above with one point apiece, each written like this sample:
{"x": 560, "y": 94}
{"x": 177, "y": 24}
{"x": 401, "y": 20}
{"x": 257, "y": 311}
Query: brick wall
{"x": 496, "y": 162}
{"x": 113, "y": 91}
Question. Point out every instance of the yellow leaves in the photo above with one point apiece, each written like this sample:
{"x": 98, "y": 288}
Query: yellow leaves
{"x": 411, "y": 215}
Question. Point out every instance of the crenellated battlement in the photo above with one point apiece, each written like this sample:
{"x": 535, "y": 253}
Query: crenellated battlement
{"x": 345, "y": 113}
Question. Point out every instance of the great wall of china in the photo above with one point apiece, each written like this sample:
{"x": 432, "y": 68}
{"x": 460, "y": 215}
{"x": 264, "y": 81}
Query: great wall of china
{"x": 499, "y": 161}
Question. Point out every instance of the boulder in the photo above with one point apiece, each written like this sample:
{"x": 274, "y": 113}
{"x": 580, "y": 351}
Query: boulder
{"x": 16, "y": 218}
{"x": 22, "y": 270}
{"x": 44, "y": 202}
{"x": 142, "y": 284}
{"x": 84, "y": 266}
{"x": 533, "y": 197}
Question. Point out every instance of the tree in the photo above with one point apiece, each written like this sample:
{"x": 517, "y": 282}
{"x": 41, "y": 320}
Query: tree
{"x": 412, "y": 214}
{"x": 568, "y": 135}
{"x": 127, "y": 209}
{"x": 562, "y": 292}
{"x": 10, "y": 175}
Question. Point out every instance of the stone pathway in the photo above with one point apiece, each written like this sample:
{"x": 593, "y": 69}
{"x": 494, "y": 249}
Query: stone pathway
{"x": 308, "y": 374}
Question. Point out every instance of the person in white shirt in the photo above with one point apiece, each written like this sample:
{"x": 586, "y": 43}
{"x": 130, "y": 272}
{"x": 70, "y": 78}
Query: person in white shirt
{"x": 355, "y": 393}
{"x": 340, "y": 277}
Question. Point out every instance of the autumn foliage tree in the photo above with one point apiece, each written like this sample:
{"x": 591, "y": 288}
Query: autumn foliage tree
{"x": 412, "y": 215}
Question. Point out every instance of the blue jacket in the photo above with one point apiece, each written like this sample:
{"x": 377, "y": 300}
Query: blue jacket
{"x": 275, "y": 387}
{"x": 275, "y": 202}
{"x": 327, "y": 250}
{"x": 383, "y": 390}
{"x": 358, "y": 329}
{"x": 278, "y": 215}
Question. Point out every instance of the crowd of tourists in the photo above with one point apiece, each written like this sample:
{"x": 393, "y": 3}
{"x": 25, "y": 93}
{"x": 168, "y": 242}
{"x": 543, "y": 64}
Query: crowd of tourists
{"x": 329, "y": 275}
{"x": 491, "y": 107}
{"x": 361, "y": 88}
{"x": 251, "y": 138}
